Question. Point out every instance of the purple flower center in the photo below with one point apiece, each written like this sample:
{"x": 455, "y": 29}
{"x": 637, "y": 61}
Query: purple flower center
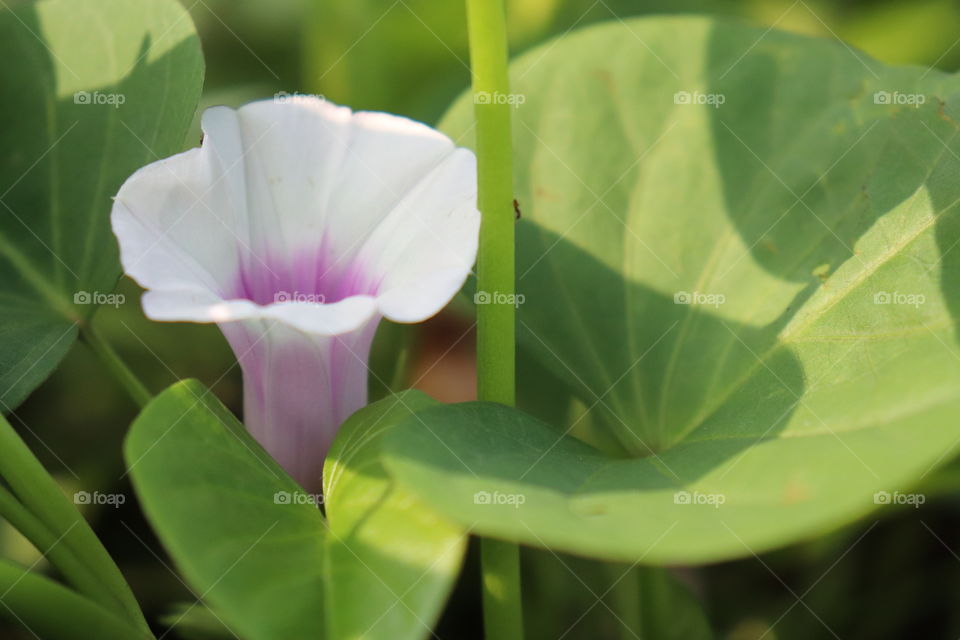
{"x": 318, "y": 277}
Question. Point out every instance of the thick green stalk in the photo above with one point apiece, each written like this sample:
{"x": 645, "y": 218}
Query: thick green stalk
{"x": 496, "y": 313}
{"x": 502, "y": 604}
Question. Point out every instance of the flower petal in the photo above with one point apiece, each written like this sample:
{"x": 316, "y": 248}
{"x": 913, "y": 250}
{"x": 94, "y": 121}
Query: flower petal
{"x": 319, "y": 319}
{"x": 379, "y": 204}
{"x": 309, "y": 166}
{"x": 298, "y": 388}
{"x": 168, "y": 221}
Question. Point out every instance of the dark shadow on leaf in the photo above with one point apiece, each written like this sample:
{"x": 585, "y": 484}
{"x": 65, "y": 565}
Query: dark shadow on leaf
{"x": 805, "y": 175}
{"x": 574, "y": 320}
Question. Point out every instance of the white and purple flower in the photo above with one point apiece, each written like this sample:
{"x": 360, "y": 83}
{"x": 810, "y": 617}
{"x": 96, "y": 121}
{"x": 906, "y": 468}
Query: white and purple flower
{"x": 296, "y": 226}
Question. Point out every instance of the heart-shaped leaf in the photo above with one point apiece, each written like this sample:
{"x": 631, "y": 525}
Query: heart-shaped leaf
{"x": 99, "y": 88}
{"x": 392, "y": 560}
{"x": 738, "y": 251}
{"x": 245, "y": 536}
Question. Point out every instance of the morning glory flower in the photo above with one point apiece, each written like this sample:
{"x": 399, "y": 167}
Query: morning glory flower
{"x": 297, "y": 226}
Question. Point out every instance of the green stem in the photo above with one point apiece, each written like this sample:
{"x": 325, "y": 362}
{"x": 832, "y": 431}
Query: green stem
{"x": 496, "y": 320}
{"x": 502, "y": 610}
{"x": 398, "y": 380}
{"x": 48, "y": 507}
{"x": 115, "y": 366}
{"x": 626, "y": 597}
{"x": 59, "y": 555}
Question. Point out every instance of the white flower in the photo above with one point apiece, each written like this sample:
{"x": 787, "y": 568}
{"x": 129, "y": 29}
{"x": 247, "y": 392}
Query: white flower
{"x": 296, "y": 226}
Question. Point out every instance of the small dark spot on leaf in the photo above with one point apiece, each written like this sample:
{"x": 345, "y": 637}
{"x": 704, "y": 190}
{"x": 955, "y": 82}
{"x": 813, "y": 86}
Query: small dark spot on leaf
{"x": 822, "y": 272}
{"x": 795, "y": 492}
{"x": 607, "y": 78}
{"x": 543, "y": 193}
{"x": 592, "y": 509}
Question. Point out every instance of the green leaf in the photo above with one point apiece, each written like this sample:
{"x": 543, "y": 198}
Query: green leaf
{"x": 241, "y": 531}
{"x": 49, "y": 610}
{"x": 392, "y": 561}
{"x": 508, "y": 475}
{"x": 99, "y": 88}
{"x": 798, "y": 195}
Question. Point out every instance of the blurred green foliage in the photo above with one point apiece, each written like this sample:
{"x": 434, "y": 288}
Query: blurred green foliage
{"x": 410, "y": 56}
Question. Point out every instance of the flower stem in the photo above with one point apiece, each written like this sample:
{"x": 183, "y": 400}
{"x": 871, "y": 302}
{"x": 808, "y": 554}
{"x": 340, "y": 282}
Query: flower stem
{"x": 115, "y": 366}
{"x": 502, "y": 605}
{"x": 496, "y": 320}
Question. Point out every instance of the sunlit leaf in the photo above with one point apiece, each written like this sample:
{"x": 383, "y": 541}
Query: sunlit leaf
{"x": 244, "y": 535}
{"x": 91, "y": 91}
{"x": 739, "y": 252}
{"x": 392, "y": 560}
